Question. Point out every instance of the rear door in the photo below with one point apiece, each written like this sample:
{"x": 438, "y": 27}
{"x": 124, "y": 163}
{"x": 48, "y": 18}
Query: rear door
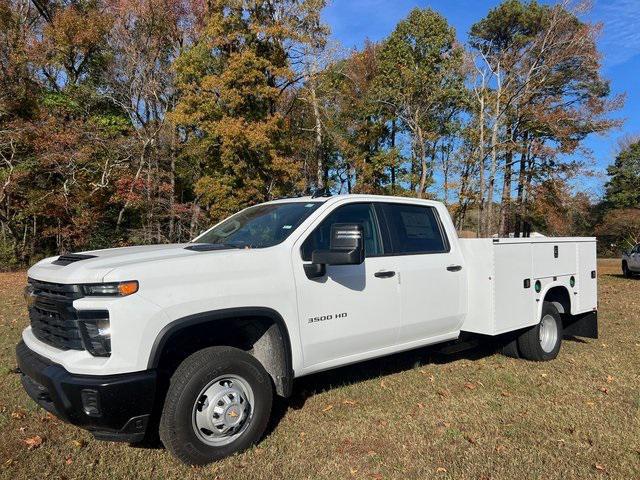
{"x": 355, "y": 309}
{"x": 432, "y": 282}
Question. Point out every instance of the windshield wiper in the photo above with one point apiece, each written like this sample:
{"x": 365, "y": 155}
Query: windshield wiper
{"x": 205, "y": 247}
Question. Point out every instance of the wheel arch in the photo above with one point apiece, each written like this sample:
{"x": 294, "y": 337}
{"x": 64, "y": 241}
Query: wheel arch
{"x": 270, "y": 344}
{"x": 559, "y": 296}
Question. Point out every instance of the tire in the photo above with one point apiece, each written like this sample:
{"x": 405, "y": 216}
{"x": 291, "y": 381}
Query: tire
{"x": 218, "y": 403}
{"x": 625, "y": 270}
{"x": 542, "y": 342}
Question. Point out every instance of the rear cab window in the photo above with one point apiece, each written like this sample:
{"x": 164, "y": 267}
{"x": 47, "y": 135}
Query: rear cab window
{"x": 413, "y": 229}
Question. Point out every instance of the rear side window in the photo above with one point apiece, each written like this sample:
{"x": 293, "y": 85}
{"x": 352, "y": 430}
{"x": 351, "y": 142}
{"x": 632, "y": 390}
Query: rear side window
{"x": 414, "y": 229}
{"x": 361, "y": 213}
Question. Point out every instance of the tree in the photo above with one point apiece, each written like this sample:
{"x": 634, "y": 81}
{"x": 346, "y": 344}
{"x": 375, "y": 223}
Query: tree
{"x": 420, "y": 83}
{"x": 620, "y": 229}
{"x": 623, "y": 187}
{"x": 146, "y": 38}
{"x": 549, "y": 95}
{"x": 231, "y": 83}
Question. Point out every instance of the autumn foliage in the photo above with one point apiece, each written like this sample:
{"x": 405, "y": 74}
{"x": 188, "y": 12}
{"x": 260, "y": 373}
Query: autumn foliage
{"x": 142, "y": 121}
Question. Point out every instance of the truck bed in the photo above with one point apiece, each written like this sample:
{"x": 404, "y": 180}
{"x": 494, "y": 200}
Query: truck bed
{"x": 502, "y": 275}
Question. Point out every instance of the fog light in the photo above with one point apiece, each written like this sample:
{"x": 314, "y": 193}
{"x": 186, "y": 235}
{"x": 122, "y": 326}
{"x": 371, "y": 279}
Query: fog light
{"x": 96, "y": 332}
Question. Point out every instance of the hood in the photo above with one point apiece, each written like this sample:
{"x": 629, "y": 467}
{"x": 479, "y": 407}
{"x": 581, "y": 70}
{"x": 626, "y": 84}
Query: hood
{"x": 92, "y": 266}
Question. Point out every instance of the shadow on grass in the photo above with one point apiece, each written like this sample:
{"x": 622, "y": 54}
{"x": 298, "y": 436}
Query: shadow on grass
{"x": 308, "y": 386}
{"x": 635, "y": 276}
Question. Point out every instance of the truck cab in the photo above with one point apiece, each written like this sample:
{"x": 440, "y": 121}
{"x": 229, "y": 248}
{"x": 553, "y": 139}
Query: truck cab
{"x": 198, "y": 337}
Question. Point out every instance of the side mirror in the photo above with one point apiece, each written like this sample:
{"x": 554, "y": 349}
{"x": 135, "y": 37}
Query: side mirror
{"x": 346, "y": 248}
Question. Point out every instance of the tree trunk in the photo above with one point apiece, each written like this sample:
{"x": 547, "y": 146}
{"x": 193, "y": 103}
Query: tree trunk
{"x": 520, "y": 189}
{"x": 480, "y": 231}
{"x": 422, "y": 156}
{"x": 393, "y": 146}
{"x": 505, "y": 204}
{"x": 172, "y": 181}
{"x": 318, "y": 135}
{"x": 488, "y": 226}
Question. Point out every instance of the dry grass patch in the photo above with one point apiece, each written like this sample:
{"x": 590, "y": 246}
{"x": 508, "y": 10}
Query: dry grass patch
{"x": 417, "y": 415}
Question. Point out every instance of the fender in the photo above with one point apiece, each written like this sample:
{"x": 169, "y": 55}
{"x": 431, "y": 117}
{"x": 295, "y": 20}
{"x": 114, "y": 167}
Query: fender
{"x": 228, "y": 313}
{"x": 545, "y": 291}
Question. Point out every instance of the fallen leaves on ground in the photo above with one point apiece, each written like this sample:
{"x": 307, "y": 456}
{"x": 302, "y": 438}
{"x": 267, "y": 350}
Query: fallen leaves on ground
{"x": 33, "y": 442}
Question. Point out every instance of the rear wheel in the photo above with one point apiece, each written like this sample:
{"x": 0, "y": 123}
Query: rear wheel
{"x": 218, "y": 403}
{"x": 542, "y": 341}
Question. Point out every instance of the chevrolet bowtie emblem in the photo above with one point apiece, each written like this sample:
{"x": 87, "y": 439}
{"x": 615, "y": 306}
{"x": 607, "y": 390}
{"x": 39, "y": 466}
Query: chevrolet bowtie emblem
{"x": 233, "y": 413}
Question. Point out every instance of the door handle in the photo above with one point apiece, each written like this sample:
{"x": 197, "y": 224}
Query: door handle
{"x": 384, "y": 274}
{"x": 454, "y": 268}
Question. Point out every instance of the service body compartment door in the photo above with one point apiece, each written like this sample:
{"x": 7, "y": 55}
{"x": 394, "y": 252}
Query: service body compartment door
{"x": 513, "y": 302}
{"x": 586, "y": 285}
{"x": 553, "y": 258}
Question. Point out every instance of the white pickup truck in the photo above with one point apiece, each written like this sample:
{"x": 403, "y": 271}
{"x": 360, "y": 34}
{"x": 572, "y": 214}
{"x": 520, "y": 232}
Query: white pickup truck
{"x": 193, "y": 340}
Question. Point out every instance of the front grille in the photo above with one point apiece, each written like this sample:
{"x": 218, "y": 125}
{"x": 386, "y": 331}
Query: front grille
{"x": 54, "y": 321}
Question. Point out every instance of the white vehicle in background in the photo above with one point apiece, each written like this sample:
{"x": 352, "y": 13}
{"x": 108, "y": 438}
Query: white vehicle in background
{"x": 631, "y": 262}
{"x": 194, "y": 340}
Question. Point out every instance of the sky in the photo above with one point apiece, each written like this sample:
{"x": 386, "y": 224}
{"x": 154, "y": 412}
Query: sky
{"x": 353, "y": 21}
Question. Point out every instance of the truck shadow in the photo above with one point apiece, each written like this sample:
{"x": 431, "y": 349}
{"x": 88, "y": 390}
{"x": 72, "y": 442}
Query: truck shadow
{"x": 306, "y": 387}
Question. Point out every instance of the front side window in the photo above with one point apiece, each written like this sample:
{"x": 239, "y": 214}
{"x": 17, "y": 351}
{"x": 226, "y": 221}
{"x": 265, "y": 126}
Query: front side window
{"x": 361, "y": 213}
{"x": 414, "y": 229}
{"x": 260, "y": 226}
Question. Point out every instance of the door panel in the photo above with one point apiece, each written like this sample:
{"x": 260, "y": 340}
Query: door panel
{"x": 432, "y": 281}
{"x": 349, "y": 311}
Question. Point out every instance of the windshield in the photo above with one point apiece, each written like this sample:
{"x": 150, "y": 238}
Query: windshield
{"x": 260, "y": 226}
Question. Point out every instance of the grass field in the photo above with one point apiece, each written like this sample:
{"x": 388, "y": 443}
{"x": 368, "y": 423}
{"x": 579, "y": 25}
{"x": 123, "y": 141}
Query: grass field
{"x": 417, "y": 415}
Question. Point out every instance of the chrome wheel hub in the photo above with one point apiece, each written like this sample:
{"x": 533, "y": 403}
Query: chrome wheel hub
{"x": 223, "y": 410}
{"x": 548, "y": 333}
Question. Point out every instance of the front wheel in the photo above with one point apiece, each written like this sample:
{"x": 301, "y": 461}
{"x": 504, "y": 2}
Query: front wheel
{"x": 625, "y": 270}
{"x": 218, "y": 403}
{"x": 542, "y": 341}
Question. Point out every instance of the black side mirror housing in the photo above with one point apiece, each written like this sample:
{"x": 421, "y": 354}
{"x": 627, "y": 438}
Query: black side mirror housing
{"x": 346, "y": 248}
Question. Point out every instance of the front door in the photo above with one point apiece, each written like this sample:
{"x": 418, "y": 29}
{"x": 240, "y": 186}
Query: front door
{"x": 355, "y": 309}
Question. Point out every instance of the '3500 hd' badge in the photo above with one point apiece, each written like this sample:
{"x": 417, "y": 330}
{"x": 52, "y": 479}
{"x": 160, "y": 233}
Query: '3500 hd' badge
{"x": 324, "y": 318}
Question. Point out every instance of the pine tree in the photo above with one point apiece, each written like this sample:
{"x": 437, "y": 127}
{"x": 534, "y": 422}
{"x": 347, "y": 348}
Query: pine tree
{"x": 623, "y": 188}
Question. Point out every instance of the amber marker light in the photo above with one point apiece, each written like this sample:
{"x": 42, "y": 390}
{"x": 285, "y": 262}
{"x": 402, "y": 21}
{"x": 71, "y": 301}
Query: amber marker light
{"x": 127, "y": 288}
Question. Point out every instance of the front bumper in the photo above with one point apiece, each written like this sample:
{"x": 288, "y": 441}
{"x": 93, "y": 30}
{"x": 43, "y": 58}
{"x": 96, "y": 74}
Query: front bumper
{"x": 113, "y": 407}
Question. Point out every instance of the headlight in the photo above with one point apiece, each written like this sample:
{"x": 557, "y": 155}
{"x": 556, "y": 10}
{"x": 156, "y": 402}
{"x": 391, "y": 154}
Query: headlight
{"x": 115, "y": 289}
{"x": 96, "y": 332}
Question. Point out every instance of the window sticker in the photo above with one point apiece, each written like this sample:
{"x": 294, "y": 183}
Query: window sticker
{"x": 286, "y": 227}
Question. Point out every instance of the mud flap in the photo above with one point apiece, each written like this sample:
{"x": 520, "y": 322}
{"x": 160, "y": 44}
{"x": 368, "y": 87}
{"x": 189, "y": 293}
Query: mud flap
{"x": 583, "y": 325}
